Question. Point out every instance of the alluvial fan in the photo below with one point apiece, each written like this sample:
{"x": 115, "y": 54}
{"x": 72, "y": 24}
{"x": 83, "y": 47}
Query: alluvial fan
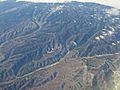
{"x": 59, "y": 46}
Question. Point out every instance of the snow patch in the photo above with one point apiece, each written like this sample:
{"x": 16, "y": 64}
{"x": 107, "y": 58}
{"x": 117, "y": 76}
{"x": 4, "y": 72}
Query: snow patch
{"x": 113, "y": 44}
{"x": 117, "y": 18}
{"x": 112, "y": 29}
{"x": 90, "y": 23}
{"x": 102, "y": 37}
{"x": 57, "y": 8}
{"x": 118, "y": 42}
{"x": 110, "y": 33}
{"x": 74, "y": 43}
{"x": 104, "y": 33}
{"x": 97, "y": 38}
{"x": 113, "y": 12}
{"x": 74, "y": 21}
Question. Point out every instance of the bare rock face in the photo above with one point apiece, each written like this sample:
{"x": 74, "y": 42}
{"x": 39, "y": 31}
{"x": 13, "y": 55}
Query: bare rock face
{"x": 59, "y": 46}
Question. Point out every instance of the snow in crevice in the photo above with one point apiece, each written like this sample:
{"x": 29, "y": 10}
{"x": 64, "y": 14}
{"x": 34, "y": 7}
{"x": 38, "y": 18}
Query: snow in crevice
{"x": 112, "y": 29}
{"x": 81, "y": 5}
{"x": 110, "y": 33}
{"x": 113, "y": 44}
{"x": 118, "y": 42}
{"x": 60, "y": 12}
{"x": 117, "y": 18}
{"x": 104, "y": 34}
{"x": 74, "y": 43}
{"x": 97, "y": 38}
{"x": 74, "y": 21}
{"x": 102, "y": 37}
{"x": 90, "y": 23}
{"x": 92, "y": 15}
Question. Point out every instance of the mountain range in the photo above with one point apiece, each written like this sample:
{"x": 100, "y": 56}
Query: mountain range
{"x": 59, "y": 46}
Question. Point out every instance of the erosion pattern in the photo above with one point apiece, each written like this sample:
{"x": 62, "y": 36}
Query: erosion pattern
{"x": 59, "y": 46}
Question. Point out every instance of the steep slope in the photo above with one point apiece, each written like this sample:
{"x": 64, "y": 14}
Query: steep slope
{"x": 35, "y": 36}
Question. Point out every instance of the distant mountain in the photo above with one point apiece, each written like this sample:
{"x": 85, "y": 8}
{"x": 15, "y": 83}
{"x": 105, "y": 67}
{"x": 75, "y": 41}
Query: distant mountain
{"x": 7, "y": 0}
{"x": 37, "y": 37}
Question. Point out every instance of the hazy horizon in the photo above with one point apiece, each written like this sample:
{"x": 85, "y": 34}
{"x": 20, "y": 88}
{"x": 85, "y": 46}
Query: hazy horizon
{"x": 114, "y": 3}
